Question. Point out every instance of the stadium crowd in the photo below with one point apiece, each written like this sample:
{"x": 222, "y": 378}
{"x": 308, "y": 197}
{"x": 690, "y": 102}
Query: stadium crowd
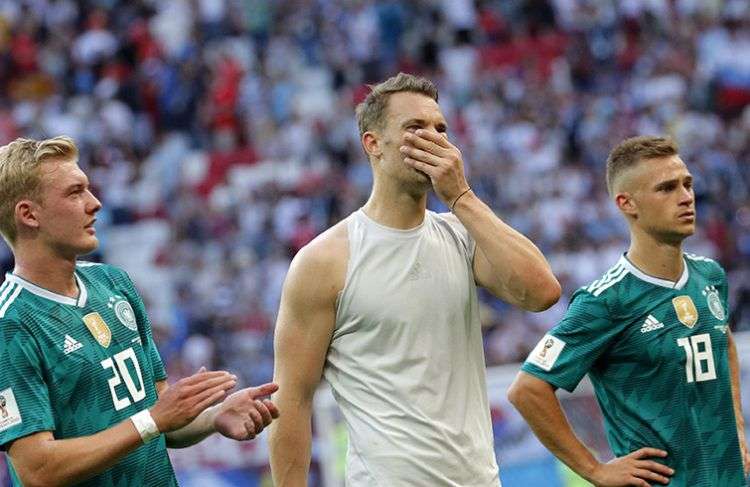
{"x": 220, "y": 135}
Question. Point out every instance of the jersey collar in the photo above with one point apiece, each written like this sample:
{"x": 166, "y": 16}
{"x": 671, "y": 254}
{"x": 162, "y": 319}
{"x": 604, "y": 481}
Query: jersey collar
{"x": 679, "y": 284}
{"x": 45, "y": 293}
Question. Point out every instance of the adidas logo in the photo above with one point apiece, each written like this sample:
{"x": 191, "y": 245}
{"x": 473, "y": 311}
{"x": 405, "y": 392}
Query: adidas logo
{"x": 71, "y": 345}
{"x": 651, "y": 324}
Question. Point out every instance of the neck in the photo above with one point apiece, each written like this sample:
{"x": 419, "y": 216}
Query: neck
{"x": 46, "y": 270}
{"x": 656, "y": 258}
{"x": 396, "y": 207}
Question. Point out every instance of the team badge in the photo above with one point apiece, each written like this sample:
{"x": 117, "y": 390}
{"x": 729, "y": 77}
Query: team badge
{"x": 9, "y": 413}
{"x": 714, "y": 303}
{"x": 546, "y": 352}
{"x": 123, "y": 311}
{"x": 98, "y": 328}
{"x": 686, "y": 311}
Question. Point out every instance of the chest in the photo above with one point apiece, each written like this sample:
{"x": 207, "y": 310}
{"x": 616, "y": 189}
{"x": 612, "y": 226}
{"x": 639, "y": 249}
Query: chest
{"x": 395, "y": 283}
{"x": 685, "y": 330}
{"x": 95, "y": 354}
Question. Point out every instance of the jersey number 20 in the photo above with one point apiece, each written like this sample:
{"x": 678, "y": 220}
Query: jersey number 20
{"x": 136, "y": 392}
{"x": 700, "y": 358}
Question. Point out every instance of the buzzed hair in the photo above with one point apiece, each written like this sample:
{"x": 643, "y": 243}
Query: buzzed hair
{"x": 631, "y": 151}
{"x": 371, "y": 112}
{"x": 20, "y": 177}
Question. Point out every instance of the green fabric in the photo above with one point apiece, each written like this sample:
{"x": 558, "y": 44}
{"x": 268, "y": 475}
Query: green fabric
{"x": 65, "y": 381}
{"x": 625, "y": 332}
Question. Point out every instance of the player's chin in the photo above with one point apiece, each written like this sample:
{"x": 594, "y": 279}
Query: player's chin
{"x": 88, "y": 245}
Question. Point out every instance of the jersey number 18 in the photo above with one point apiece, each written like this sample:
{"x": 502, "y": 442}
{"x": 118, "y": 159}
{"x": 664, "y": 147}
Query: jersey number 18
{"x": 700, "y": 357}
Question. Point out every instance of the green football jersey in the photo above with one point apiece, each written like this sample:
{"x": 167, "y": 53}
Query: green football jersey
{"x": 656, "y": 353}
{"x": 78, "y": 366}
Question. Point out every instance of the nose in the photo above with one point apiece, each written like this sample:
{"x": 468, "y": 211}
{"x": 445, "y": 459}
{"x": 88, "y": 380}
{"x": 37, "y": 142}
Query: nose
{"x": 94, "y": 204}
{"x": 687, "y": 197}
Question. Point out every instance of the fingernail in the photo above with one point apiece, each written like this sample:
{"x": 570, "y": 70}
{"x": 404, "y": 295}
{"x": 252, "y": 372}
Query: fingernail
{"x": 419, "y": 132}
{"x": 402, "y": 148}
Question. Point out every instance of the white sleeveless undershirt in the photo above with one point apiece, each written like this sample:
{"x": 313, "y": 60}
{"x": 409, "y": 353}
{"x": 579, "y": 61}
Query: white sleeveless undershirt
{"x": 406, "y": 362}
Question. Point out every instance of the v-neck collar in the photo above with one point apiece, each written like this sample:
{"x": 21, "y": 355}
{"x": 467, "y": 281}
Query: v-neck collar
{"x": 80, "y": 301}
{"x": 679, "y": 284}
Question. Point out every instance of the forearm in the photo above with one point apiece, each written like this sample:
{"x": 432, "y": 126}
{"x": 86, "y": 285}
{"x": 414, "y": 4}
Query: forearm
{"x": 519, "y": 272}
{"x": 734, "y": 369}
{"x": 290, "y": 445}
{"x": 69, "y": 461}
{"x": 196, "y": 431}
{"x": 543, "y": 413}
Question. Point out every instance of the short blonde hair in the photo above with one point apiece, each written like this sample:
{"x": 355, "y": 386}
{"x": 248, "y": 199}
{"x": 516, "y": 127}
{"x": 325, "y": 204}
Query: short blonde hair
{"x": 20, "y": 177}
{"x": 631, "y": 151}
{"x": 371, "y": 112}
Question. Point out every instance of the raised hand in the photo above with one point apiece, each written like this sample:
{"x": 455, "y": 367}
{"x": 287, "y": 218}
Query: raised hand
{"x": 243, "y": 415}
{"x": 633, "y": 469}
{"x": 432, "y": 153}
{"x": 184, "y": 400}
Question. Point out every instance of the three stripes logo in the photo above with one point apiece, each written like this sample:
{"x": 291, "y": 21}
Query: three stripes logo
{"x": 71, "y": 345}
{"x": 651, "y": 324}
{"x": 615, "y": 275}
{"x": 9, "y": 291}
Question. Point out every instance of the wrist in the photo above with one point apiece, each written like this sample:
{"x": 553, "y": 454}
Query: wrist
{"x": 590, "y": 472}
{"x": 461, "y": 196}
{"x": 145, "y": 426}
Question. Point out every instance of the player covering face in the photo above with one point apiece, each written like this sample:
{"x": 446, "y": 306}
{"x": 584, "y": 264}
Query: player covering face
{"x": 83, "y": 391}
{"x": 652, "y": 334}
{"x": 384, "y": 306}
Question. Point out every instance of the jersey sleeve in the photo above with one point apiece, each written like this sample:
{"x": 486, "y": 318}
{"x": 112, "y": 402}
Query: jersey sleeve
{"x": 564, "y": 355}
{"x": 24, "y": 397}
{"x": 144, "y": 328}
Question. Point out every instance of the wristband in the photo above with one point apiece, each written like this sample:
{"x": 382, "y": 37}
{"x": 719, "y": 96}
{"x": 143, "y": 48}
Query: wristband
{"x": 145, "y": 425}
{"x": 453, "y": 205}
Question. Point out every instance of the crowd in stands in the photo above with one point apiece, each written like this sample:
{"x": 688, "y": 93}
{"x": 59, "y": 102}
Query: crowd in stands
{"x": 220, "y": 135}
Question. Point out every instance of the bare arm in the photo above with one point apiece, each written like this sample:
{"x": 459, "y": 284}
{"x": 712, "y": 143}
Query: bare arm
{"x": 536, "y": 401}
{"x": 42, "y": 460}
{"x": 734, "y": 368}
{"x": 508, "y": 264}
{"x": 303, "y": 333}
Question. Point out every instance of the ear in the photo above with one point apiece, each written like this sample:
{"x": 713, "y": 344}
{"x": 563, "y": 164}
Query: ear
{"x": 371, "y": 143}
{"x": 25, "y": 212}
{"x": 626, "y": 204}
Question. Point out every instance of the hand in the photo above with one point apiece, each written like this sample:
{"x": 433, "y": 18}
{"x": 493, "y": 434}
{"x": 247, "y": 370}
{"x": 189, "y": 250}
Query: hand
{"x": 745, "y": 457}
{"x": 242, "y": 416}
{"x": 183, "y": 401}
{"x": 632, "y": 470}
{"x": 431, "y": 153}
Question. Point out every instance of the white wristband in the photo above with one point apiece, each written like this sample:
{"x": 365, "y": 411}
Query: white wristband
{"x": 145, "y": 425}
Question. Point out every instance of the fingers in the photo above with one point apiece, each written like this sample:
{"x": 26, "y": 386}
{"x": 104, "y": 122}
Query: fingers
{"x": 438, "y": 139}
{"x": 265, "y": 414}
{"x": 647, "y": 452}
{"x": 648, "y": 474}
{"x": 421, "y": 155}
{"x": 430, "y": 171}
{"x": 201, "y": 376}
{"x": 428, "y": 145}
{"x": 209, "y": 400}
{"x": 654, "y": 467}
{"x": 638, "y": 482}
{"x": 257, "y": 420}
{"x": 225, "y": 381}
{"x": 271, "y": 408}
{"x": 264, "y": 390}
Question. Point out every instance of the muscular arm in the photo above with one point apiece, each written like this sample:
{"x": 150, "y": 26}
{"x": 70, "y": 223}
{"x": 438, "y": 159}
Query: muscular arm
{"x": 535, "y": 399}
{"x": 734, "y": 368}
{"x": 507, "y": 263}
{"x": 303, "y": 332}
{"x": 42, "y": 460}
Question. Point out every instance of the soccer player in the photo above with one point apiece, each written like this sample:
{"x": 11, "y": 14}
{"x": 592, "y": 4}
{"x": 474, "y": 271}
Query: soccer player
{"x": 653, "y": 336}
{"x": 83, "y": 396}
{"x": 384, "y": 306}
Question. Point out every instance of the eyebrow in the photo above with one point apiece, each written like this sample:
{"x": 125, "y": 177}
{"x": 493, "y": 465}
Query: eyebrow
{"x": 664, "y": 184}
{"x": 421, "y": 121}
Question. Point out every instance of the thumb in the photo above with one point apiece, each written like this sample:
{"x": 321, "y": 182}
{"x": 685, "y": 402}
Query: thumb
{"x": 264, "y": 390}
{"x": 201, "y": 370}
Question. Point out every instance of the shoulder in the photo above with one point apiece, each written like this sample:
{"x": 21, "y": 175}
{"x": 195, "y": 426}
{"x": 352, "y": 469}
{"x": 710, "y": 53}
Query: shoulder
{"x": 9, "y": 302}
{"x": 322, "y": 262}
{"x": 608, "y": 285}
{"x": 706, "y": 266}
{"x": 98, "y": 270}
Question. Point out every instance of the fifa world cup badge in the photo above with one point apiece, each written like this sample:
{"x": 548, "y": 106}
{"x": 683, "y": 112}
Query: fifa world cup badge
{"x": 686, "y": 311}
{"x": 98, "y": 328}
{"x": 714, "y": 303}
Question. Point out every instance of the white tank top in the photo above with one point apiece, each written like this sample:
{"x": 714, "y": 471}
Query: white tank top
{"x": 406, "y": 362}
